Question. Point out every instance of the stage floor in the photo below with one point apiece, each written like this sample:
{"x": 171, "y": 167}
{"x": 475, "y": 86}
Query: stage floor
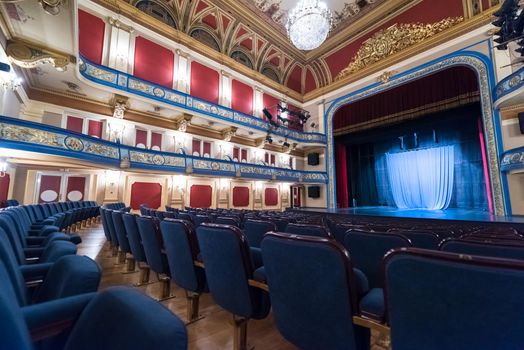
{"x": 452, "y": 214}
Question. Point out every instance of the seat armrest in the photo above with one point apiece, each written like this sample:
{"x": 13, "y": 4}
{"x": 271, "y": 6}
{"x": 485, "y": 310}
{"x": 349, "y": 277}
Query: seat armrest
{"x": 35, "y": 271}
{"x": 51, "y": 318}
{"x": 33, "y": 252}
{"x": 34, "y": 240}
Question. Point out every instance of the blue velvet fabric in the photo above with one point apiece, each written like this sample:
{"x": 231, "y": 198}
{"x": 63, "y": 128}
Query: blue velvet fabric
{"x": 506, "y": 251}
{"x": 152, "y": 242}
{"x": 11, "y": 267}
{"x": 135, "y": 242}
{"x": 57, "y": 249}
{"x": 312, "y": 294}
{"x": 307, "y": 230}
{"x": 225, "y": 220}
{"x": 443, "y": 301}
{"x": 226, "y": 255}
{"x": 200, "y": 219}
{"x": 110, "y": 226}
{"x": 123, "y": 318}
{"x": 367, "y": 250}
{"x": 69, "y": 275}
{"x": 120, "y": 231}
{"x": 424, "y": 240}
{"x": 372, "y": 305}
{"x": 256, "y": 229}
{"x": 181, "y": 246}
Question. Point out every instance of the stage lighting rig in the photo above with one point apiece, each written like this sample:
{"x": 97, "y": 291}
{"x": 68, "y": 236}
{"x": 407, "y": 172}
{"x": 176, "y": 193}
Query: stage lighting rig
{"x": 511, "y": 25}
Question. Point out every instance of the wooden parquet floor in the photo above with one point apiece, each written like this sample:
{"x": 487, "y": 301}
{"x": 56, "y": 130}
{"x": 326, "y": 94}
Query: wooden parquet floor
{"x": 213, "y": 332}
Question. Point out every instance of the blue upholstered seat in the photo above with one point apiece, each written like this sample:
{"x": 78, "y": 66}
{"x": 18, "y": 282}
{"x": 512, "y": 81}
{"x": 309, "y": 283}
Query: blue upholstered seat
{"x": 256, "y": 229}
{"x": 424, "y": 240}
{"x": 313, "y": 292}
{"x": 226, "y": 256}
{"x": 498, "y": 250}
{"x": 227, "y": 220}
{"x": 182, "y": 250}
{"x": 200, "y": 219}
{"x": 308, "y": 230}
{"x": 438, "y": 300}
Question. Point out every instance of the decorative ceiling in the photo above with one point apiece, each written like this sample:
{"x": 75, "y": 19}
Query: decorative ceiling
{"x": 344, "y": 12}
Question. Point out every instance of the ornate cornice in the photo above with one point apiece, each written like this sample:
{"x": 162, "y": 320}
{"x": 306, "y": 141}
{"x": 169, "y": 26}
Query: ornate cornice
{"x": 29, "y": 55}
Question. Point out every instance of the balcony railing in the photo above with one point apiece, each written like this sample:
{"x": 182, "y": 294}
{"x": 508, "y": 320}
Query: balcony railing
{"x": 512, "y": 159}
{"x": 508, "y": 85}
{"x": 42, "y": 138}
{"x": 128, "y": 83}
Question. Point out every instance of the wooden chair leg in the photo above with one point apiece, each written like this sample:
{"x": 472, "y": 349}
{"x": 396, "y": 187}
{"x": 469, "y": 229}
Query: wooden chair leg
{"x": 166, "y": 288}
{"x": 144, "y": 276}
{"x": 240, "y": 333}
{"x": 131, "y": 265}
{"x": 193, "y": 305}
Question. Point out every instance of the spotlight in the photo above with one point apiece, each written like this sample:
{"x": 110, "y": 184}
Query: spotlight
{"x": 286, "y": 144}
{"x": 268, "y": 115}
{"x": 269, "y": 139}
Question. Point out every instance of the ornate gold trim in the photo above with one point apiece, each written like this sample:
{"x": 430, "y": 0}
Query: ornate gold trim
{"x": 394, "y": 39}
{"x": 29, "y": 55}
{"x": 119, "y": 24}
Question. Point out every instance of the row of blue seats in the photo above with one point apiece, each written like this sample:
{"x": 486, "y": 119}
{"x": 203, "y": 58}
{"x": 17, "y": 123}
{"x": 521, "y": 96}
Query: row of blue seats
{"x": 368, "y": 251}
{"x": 48, "y": 296}
{"x": 9, "y": 203}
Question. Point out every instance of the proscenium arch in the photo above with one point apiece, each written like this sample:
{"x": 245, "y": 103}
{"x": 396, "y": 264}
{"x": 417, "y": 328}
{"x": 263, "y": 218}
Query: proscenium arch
{"x": 481, "y": 65}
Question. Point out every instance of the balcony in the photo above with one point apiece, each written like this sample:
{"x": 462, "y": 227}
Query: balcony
{"x": 35, "y": 137}
{"x": 127, "y": 83}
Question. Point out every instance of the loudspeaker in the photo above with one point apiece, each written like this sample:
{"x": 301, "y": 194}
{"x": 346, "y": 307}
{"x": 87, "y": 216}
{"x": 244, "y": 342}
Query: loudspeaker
{"x": 521, "y": 122}
{"x": 313, "y": 191}
{"x": 313, "y": 159}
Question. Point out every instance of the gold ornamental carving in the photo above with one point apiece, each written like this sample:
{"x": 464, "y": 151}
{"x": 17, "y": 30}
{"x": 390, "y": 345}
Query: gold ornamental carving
{"x": 29, "y": 56}
{"x": 392, "y": 40}
{"x": 386, "y": 76}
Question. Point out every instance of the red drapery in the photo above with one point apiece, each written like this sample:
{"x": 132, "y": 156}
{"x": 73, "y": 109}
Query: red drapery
{"x": 342, "y": 176}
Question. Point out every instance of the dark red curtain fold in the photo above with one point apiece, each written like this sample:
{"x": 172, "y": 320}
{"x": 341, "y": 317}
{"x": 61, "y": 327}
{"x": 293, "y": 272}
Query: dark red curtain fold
{"x": 342, "y": 175}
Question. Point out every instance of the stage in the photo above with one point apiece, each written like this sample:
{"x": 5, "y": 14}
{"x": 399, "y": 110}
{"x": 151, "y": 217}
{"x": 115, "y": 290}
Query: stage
{"x": 452, "y": 214}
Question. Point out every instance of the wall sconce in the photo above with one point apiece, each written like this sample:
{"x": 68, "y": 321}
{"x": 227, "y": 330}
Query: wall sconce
{"x": 3, "y": 168}
{"x": 112, "y": 177}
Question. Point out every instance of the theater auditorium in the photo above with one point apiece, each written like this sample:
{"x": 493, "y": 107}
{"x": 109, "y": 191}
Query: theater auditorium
{"x": 262, "y": 174}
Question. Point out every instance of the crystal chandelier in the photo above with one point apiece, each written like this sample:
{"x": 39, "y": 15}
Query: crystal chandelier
{"x": 308, "y": 24}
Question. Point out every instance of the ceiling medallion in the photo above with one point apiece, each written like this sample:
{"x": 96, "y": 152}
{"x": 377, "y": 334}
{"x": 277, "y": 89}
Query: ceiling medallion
{"x": 308, "y": 24}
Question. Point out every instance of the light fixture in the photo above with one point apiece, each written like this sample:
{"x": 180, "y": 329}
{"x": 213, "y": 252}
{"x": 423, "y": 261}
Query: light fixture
{"x": 268, "y": 114}
{"x": 308, "y": 24}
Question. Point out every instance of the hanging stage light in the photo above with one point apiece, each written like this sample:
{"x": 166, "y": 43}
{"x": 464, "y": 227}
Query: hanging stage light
{"x": 268, "y": 114}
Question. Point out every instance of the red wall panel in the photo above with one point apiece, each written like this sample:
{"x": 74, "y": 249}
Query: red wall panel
{"x": 146, "y": 193}
{"x": 49, "y": 188}
{"x": 244, "y": 155}
{"x": 90, "y": 36}
{"x": 196, "y": 147}
{"x": 240, "y": 196}
{"x": 75, "y": 188}
{"x": 205, "y": 82}
{"x": 294, "y": 81}
{"x": 156, "y": 141}
{"x": 207, "y": 149}
{"x": 236, "y": 151}
{"x": 153, "y": 62}
{"x": 141, "y": 138}
{"x": 271, "y": 197}
{"x": 270, "y": 103}
{"x": 424, "y": 12}
{"x": 309, "y": 84}
{"x": 241, "y": 97}
{"x": 95, "y": 128}
{"x": 200, "y": 196}
{"x": 4, "y": 187}
{"x": 74, "y": 124}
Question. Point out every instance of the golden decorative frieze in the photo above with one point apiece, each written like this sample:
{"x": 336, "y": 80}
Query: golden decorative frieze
{"x": 386, "y": 76}
{"x": 228, "y": 133}
{"x": 120, "y": 25}
{"x": 29, "y": 56}
{"x": 119, "y": 104}
{"x": 392, "y": 40}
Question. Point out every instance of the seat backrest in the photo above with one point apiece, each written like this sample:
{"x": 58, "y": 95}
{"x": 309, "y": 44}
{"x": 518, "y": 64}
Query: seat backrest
{"x": 227, "y": 220}
{"x": 425, "y": 240}
{"x": 453, "y": 301}
{"x": 200, "y": 219}
{"x": 307, "y": 230}
{"x": 11, "y": 232}
{"x": 120, "y": 231}
{"x": 137, "y": 322}
{"x": 104, "y": 224}
{"x": 367, "y": 250}
{"x": 181, "y": 246}
{"x": 186, "y": 216}
{"x": 70, "y": 275}
{"x": 111, "y": 226}
{"x": 135, "y": 242}
{"x": 16, "y": 279}
{"x": 256, "y": 229}
{"x": 13, "y": 333}
{"x": 228, "y": 265}
{"x": 313, "y": 291}
{"x": 152, "y": 241}
{"x": 496, "y": 250}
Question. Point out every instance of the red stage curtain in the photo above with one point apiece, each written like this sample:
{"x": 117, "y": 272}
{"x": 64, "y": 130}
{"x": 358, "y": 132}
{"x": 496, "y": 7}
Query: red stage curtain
{"x": 75, "y": 188}
{"x": 146, "y": 193}
{"x": 4, "y": 187}
{"x": 342, "y": 176}
{"x": 153, "y": 63}
{"x": 75, "y": 124}
{"x": 241, "y": 97}
{"x": 95, "y": 129}
{"x": 49, "y": 188}
{"x": 271, "y": 197}
{"x": 456, "y": 85}
{"x": 200, "y": 196}
{"x": 240, "y": 196}
{"x": 205, "y": 82}
{"x": 90, "y": 36}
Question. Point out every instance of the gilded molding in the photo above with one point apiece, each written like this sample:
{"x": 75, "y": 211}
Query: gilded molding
{"x": 27, "y": 55}
{"x": 392, "y": 40}
{"x": 120, "y": 25}
{"x": 119, "y": 104}
{"x": 487, "y": 112}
